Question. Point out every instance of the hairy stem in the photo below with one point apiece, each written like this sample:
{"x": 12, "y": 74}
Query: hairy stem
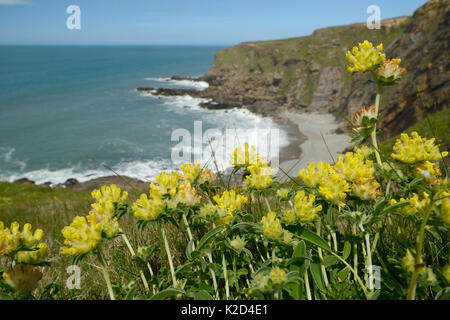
{"x": 169, "y": 256}
{"x": 105, "y": 274}
{"x": 130, "y": 248}
{"x": 418, "y": 261}
{"x": 374, "y": 132}
{"x": 224, "y": 267}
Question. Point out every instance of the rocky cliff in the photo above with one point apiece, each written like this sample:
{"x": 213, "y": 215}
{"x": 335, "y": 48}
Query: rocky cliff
{"x": 308, "y": 73}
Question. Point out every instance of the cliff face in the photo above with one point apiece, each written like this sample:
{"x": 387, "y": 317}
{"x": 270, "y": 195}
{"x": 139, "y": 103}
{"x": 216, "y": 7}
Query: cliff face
{"x": 309, "y": 74}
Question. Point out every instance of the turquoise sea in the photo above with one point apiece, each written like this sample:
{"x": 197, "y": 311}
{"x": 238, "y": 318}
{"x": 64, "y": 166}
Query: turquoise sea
{"x": 65, "y": 111}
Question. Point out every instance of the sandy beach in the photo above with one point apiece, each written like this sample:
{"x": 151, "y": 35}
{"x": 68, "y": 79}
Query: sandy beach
{"x": 321, "y": 142}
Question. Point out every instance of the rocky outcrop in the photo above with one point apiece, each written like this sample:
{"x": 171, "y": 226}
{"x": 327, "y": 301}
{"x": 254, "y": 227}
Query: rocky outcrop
{"x": 125, "y": 183}
{"x": 308, "y": 73}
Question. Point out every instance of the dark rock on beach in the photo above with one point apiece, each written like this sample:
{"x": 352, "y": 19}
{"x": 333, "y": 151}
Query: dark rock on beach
{"x": 125, "y": 183}
{"x": 165, "y": 92}
{"x": 24, "y": 181}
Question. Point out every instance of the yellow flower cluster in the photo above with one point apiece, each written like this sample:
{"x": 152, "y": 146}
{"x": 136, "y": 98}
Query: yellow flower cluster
{"x": 364, "y": 152}
{"x": 84, "y": 234}
{"x": 148, "y": 208}
{"x": 304, "y": 207}
{"x": 415, "y": 204}
{"x": 409, "y": 261}
{"x": 34, "y": 256}
{"x": 172, "y": 189}
{"x": 446, "y": 272}
{"x": 261, "y": 282}
{"x": 244, "y": 158}
{"x": 260, "y": 175}
{"x": 445, "y": 209}
{"x": 194, "y": 174}
{"x": 416, "y": 149}
{"x": 110, "y": 194}
{"x": 429, "y": 171}
{"x": 277, "y": 275}
{"x": 390, "y": 71}
{"x": 365, "y": 57}
{"x": 288, "y": 238}
{"x": 352, "y": 167}
{"x": 283, "y": 194}
{"x": 333, "y": 188}
{"x": 289, "y": 216}
{"x": 313, "y": 174}
{"x": 226, "y": 204}
{"x": 271, "y": 226}
{"x": 237, "y": 243}
{"x": 366, "y": 188}
{"x": 357, "y": 117}
{"x": 22, "y": 278}
{"x": 230, "y": 200}
{"x": 12, "y": 239}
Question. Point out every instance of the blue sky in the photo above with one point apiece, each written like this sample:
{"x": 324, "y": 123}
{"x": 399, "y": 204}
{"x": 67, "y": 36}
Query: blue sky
{"x": 221, "y": 22}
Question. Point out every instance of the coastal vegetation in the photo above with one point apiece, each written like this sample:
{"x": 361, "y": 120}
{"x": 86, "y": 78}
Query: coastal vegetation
{"x": 373, "y": 224}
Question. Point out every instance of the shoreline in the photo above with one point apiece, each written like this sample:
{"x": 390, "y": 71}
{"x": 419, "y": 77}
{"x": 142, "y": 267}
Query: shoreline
{"x": 305, "y": 143}
{"x": 323, "y": 142}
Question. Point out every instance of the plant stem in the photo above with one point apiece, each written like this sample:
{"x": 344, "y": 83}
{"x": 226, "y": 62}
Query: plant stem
{"x": 213, "y": 274}
{"x": 322, "y": 267}
{"x": 105, "y": 274}
{"x": 374, "y": 132}
{"x": 224, "y": 267}
{"x": 130, "y": 248}
{"x": 235, "y": 274}
{"x": 169, "y": 256}
{"x": 418, "y": 261}
{"x": 308, "y": 289}
{"x": 355, "y": 252}
{"x": 369, "y": 261}
{"x": 267, "y": 203}
{"x": 191, "y": 238}
{"x": 333, "y": 236}
{"x": 357, "y": 278}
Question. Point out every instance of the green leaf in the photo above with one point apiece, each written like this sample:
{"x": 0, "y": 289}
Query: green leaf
{"x": 395, "y": 206}
{"x": 415, "y": 182}
{"x": 314, "y": 238}
{"x": 189, "y": 249}
{"x": 329, "y": 261}
{"x": 300, "y": 250}
{"x": 374, "y": 295}
{"x": 317, "y": 275}
{"x": 381, "y": 203}
{"x": 245, "y": 225}
{"x": 242, "y": 272}
{"x": 207, "y": 237}
{"x": 202, "y": 295}
{"x": 347, "y": 250}
{"x": 297, "y": 262}
{"x": 343, "y": 274}
{"x": 183, "y": 267}
{"x": 434, "y": 233}
{"x": 444, "y": 294}
{"x": 167, "y": 293}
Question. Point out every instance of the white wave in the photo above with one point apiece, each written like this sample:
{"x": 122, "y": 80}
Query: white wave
{"x": 142, "y": 170}
{"x": 197, "y": 85}
{"x": 235, "y": 126}
{"x": 7, "y": 155}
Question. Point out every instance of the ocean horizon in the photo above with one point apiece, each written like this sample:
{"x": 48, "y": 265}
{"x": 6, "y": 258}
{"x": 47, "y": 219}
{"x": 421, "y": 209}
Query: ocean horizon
{"x": 72, "y": 111}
